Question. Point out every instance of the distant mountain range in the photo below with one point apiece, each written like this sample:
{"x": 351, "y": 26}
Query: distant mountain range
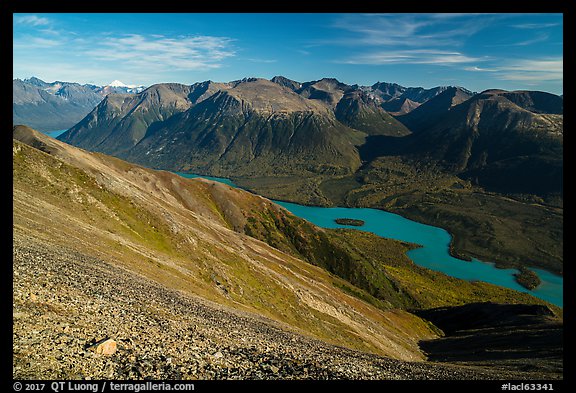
{"x": 58, "y": 105}
{"x": 255, "y": 127}
{"x": 249, "y": 127}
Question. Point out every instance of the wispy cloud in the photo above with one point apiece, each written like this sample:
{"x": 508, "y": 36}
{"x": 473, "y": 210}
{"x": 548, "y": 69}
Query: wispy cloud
{"x": 535, "y": 25}
{"x": 411, "y": 30}
{"x": 265, "y": 61}
{"x": 538, "y": 38}
{"x": 35, "y": 32}
{"x": 533, "y": 70}
{"x": 35, "y": 42}
{"x": 180, "y": 53}
{"x": 529, "y": 70}
{"x": 32, "y": 20}
{"x": 415, "y": 56}
{"x": 453, "y": 15}
{"x": 433, "y": 39}
{"x": 479, "y": 69}
{"x": 129, "y": 56}
{"x": 447, "y": 40}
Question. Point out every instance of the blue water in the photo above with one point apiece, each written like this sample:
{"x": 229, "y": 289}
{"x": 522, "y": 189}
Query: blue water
{"x": 218, "y": 179}
{"x": 434, "y": 253}
{"x": 55, "y": 134}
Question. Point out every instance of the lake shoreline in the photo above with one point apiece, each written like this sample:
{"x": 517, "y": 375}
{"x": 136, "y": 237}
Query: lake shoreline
{"x": 450, "y": 251}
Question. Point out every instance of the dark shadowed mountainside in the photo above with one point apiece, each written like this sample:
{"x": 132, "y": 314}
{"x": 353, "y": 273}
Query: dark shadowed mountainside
{"x": 489, "y": 333}
{"x": 497, "y": 144}
{"x": 429, "y": 113}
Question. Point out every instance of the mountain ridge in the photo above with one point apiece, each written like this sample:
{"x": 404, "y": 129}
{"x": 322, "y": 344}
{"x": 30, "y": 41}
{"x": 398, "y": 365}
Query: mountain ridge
{"x": 35, "y": 105}
{"x": 57, "y": 105}
{"x": 280, "y": 128}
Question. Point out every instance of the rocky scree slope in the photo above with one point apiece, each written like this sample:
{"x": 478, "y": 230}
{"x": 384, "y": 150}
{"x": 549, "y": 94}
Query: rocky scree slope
{"x": 188, "y": 235}
{"x": 64, "y": 300}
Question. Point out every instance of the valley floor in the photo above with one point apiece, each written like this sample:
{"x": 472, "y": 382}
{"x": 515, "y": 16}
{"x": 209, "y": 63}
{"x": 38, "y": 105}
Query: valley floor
{"x": 64, "y": 300}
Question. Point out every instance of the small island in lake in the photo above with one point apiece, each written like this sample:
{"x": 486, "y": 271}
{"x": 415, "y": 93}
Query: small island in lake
{"x": 349, "y": 221}
{"x": 527, "y": 278}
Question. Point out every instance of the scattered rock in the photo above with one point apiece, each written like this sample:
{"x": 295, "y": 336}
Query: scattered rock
{"x": 105, "y": 347}
{"x": 164, "y": 334}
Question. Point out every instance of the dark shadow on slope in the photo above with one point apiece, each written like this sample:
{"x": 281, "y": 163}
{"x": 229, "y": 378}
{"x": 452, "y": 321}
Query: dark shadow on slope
{"x": 516, "y": 336}
{"x": 381, "y": 145}
{"x": 538, "y": 175}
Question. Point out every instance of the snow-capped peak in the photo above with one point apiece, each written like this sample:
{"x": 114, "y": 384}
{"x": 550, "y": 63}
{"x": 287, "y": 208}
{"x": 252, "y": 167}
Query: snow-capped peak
{"x": 120, "y": 87}
{"x": 117, "y": 83}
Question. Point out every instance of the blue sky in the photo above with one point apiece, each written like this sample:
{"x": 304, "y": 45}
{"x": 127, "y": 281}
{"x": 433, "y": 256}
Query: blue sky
{"x": 476, "y": 51}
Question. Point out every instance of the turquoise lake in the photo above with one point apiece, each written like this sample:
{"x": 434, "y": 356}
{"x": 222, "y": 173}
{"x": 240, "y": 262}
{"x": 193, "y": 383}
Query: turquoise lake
{"x": 55, "y": 134}
{"x": 434, "y": 253}
{"x": 218, "y": 179}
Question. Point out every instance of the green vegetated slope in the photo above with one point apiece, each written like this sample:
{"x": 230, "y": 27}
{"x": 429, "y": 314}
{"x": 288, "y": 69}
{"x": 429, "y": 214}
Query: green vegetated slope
{"x": 377, "y": 266}
{"x": 200, "y": 237}
{"x": 180, "y": 233}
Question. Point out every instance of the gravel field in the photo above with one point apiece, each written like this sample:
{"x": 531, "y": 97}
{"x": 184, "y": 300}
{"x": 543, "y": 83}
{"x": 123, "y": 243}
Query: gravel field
{"x": 65, "y": 303}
